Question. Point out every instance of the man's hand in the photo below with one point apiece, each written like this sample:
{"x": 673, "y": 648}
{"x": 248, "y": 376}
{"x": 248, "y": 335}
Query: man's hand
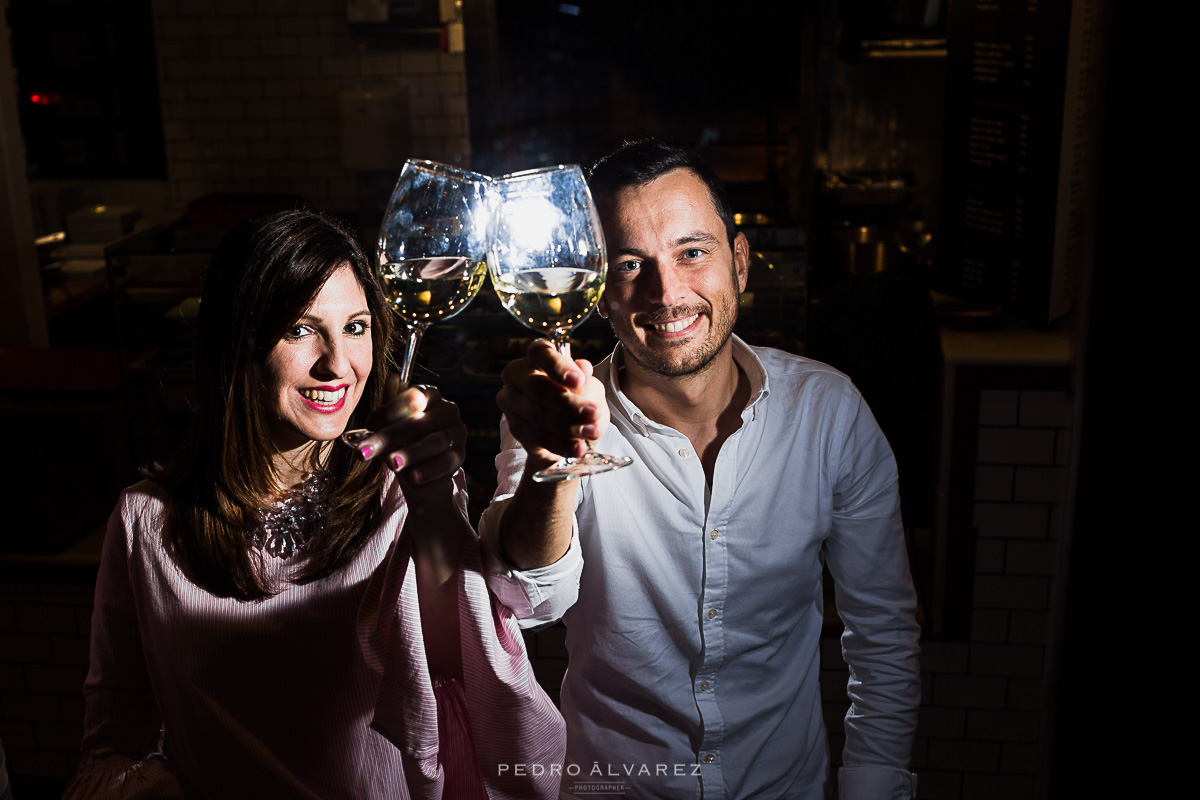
{"x": 554, "y": 405}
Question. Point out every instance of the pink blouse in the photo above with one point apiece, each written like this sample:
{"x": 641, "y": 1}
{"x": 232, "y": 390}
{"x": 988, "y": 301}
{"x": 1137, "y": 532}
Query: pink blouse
{"x": 321, "y": 691}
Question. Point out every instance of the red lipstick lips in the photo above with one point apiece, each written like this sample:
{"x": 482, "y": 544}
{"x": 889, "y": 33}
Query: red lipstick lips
{"x": 325, "y": 406}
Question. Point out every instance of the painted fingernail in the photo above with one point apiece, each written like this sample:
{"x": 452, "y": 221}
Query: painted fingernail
{"x": 366, "y": 451}
{"x": 397, "y": 462}
{"x": 353, "y": 437}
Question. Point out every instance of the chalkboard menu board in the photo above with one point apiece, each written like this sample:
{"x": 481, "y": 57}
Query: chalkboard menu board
{"x": 1018, "y": 156}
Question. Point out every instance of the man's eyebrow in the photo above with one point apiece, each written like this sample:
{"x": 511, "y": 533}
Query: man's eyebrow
{"x": 698, "y": 237}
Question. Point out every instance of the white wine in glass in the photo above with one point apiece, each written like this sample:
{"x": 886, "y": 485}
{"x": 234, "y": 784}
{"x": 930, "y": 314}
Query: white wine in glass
{"x": 551, "y": 299}
{"x": 547, "y": 265}
{"x": 433, "y": 245}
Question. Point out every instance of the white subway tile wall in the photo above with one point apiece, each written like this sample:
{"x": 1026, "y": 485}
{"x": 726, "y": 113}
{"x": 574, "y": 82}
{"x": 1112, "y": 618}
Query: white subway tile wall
{"x": 250, "y": 98}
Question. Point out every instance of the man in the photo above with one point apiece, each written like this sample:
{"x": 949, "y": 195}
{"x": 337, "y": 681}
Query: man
{"x": 694, "y": 641}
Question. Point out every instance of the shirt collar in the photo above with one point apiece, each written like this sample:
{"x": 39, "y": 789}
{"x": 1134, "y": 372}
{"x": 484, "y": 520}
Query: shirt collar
{"x": 743, "y": 355}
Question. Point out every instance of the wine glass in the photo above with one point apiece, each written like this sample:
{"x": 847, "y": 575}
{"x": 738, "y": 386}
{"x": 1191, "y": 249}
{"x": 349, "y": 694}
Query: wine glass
{"x": 547, "y": 265}
{"x": 433, "y": 245}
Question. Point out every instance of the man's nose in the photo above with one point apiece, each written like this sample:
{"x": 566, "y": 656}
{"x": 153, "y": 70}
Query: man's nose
{"x": 664, "y": 285}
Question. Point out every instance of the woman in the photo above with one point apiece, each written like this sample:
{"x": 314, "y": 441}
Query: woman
{"x": 280, "y": 615}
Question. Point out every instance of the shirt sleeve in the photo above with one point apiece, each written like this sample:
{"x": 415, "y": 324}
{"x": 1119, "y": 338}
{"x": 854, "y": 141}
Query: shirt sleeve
{"x": 538, "y": 596}
{"x": 867, "y": 557}
{"x": 123, "y": 733}
{"x": 509, "y": 718}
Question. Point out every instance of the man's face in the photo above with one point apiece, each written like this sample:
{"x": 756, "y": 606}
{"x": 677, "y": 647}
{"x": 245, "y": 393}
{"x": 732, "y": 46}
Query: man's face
{"x": 673, "y": 281}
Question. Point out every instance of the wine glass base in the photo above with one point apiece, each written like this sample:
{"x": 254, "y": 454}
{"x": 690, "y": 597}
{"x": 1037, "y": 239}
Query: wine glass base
{"x": 588, "y": 464}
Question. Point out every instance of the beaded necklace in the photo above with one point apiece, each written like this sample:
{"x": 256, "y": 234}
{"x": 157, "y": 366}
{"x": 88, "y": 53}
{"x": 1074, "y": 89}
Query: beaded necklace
{"x": 295, "y": 519}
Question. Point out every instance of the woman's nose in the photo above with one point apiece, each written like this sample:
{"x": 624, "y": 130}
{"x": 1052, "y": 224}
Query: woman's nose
{"x": 333, "y": 360}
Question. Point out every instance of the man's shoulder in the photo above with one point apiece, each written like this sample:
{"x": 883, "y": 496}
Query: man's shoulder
{"x": 789, "y": 373}
{"x": 790, "y": 363}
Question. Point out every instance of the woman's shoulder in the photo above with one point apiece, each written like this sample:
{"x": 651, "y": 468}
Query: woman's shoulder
{"x": 141, "y": 509}
{"x": 144, "y": 497}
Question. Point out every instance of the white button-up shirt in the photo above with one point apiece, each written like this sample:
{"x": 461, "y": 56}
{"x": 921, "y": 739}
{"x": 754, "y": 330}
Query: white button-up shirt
{"x": 694, "y": 642}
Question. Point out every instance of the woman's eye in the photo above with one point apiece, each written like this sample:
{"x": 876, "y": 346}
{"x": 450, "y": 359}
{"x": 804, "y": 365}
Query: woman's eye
{"x": 296, "y": 332}
{"x": 357, "y": 328}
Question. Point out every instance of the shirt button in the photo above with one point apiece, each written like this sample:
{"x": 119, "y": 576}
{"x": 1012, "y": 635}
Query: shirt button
{"x": 712, "y": 613}
{"x": 684, "y": 452}
{"x": 704, "y": 686}
{"x": 709, "y": 758}
{"x": 714, "y": 535}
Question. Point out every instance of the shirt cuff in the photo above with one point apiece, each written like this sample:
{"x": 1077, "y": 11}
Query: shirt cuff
{"x": 876, "y": 783}
{"x": 535, "y": 596}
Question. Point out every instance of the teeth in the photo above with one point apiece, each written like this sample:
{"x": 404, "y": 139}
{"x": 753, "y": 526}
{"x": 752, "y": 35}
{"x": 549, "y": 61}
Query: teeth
{"x": 324, "y": 396}
{"x": 676, "y": 326}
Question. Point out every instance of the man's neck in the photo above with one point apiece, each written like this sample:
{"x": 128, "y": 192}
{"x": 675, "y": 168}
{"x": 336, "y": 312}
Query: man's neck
{"x": 705, "y": 406}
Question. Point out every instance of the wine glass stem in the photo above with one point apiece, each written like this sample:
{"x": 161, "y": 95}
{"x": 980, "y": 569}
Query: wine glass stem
{"x": 562, "y": 343}
{"x": 415, "y": 332}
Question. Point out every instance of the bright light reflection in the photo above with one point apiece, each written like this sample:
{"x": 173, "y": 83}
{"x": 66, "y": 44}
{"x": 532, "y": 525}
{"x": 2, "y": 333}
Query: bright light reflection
{"x": 531, "y": 222}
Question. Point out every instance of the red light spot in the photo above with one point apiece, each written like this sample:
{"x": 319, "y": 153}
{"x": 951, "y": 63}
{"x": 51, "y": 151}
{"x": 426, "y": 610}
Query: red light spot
{"x": 44, "y": 98}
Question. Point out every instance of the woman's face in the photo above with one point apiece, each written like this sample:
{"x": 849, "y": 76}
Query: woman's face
{"x": 315, "y": 375}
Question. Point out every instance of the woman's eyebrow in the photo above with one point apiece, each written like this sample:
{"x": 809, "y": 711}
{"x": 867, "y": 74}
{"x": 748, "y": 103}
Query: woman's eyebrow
{"x": 307, "y": 317}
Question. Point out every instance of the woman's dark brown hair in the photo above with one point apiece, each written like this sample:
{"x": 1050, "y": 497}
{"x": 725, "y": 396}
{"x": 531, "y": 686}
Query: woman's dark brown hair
{"x": 266, "y": 272}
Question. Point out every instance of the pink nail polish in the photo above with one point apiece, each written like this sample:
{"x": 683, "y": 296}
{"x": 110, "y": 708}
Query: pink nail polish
{"x": 397, "y": 462}
{"x": 366, "y": 451}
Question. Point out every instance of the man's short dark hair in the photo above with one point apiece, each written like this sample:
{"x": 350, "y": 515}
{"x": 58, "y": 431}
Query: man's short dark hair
{"x": 638, "y": 162}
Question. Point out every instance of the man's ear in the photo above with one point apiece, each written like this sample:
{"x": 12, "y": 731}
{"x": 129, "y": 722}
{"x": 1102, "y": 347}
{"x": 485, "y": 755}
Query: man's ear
{"x": 741, "y": 260}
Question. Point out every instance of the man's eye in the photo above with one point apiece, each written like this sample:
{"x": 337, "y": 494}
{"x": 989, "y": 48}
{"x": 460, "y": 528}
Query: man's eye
{"x": 627, "y": 266}
{"x": 693, "y": 252}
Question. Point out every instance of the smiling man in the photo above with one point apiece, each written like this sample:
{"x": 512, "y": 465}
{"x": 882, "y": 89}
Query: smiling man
{"x": 690, "y": 581}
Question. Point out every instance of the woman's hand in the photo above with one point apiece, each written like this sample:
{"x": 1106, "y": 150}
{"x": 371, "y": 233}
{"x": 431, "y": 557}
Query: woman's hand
{"x": 419, "y": 434}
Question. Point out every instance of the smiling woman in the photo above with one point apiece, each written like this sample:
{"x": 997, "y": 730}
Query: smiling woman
{"x": 317, "y": 371}
{"x": 299, "y": 618}
{"x": 252, "y": 438}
